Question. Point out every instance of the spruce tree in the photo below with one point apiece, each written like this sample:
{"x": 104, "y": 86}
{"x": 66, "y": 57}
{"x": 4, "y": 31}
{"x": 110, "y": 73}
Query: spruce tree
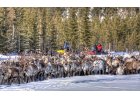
{"x": 73, "y": 28}
{"x": 85, "y": 26}
{"x": 4, "y": 26}
{"x": 34, "y": 40}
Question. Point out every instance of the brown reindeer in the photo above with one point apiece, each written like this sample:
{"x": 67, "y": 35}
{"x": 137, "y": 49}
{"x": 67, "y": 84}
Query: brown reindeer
{"x": 30, "y": 71}
{"x": 109, "y": 64}
{"x": 132, "y": 67}
{"x": 10, "y": 74}
{"x": 116, "y": 63}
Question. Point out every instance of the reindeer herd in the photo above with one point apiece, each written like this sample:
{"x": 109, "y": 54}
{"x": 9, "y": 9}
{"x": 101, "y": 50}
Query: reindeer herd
{"x": 41, "y": 67}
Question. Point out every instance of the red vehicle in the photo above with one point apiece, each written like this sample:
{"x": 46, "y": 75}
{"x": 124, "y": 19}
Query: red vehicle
{"x": 91, "y": 53}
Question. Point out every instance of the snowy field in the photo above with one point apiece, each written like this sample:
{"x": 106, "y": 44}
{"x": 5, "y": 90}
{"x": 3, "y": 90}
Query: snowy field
{"x": 81, "y": 83}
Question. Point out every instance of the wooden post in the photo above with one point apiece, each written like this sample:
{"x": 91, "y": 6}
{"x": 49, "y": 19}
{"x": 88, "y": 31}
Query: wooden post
{"x": 127, "y": 50}
{"x": 109, "y": 47}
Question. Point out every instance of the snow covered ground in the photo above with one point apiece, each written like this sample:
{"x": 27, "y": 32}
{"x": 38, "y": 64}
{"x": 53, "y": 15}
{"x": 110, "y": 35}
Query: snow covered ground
{"x": 81, "y": 83}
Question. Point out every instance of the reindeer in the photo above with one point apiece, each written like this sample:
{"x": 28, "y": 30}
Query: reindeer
{"x": 99, "y": 66}
{"x": 86, "y": 66}
{"x": 109, "y": 64}
{"x": 136, "y": 66}
{"x": 79, "y": 70}
{"x": 117, "y": 65}
{"x": 132, "y": 66}
{"x": 10, "y": 74}
{"x": 67, "y": 69}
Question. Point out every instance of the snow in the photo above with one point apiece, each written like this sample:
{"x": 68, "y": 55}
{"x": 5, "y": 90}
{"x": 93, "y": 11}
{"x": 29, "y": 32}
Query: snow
{"x": 125, "y": 53}
{"x": 8, "y": 57}
{"x": 81, "y": 83}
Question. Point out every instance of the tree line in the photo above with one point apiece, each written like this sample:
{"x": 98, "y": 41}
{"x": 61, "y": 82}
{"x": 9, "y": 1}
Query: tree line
{"x": 47, "y": 28}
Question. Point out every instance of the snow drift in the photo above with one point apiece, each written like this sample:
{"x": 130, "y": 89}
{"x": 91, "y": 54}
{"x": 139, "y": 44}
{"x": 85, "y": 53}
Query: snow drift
{"x": 81, "y": 83}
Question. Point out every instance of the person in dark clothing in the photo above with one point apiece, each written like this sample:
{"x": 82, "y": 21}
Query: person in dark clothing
{"x": 94, "y": 48}
{"x": 66, "y": 46}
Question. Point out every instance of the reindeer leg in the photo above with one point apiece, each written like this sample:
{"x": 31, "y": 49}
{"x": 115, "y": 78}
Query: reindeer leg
{"x": 35, "y": 77}
{"x": 2, "y": 81}
{"x": 102, "y": 72}
{"x": 73, "y": 73}
{"x": 60, "y": 74}
{"x": 45, "y": 76}
{"x": 88, "y": 72}
{"x": 64, "y": 74}
{"x": 41, "y": 76}
{"x": 99, "y": 72}
{"x": 84, "y": 73}
{"x": 31, "y": 78}
{"x": 27, "y": 79}
{"x": 138, "y": 71}
{"x": 18, "y": 79}
{"x": 21, "y": 79}
{"x": 10, "y": 80}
